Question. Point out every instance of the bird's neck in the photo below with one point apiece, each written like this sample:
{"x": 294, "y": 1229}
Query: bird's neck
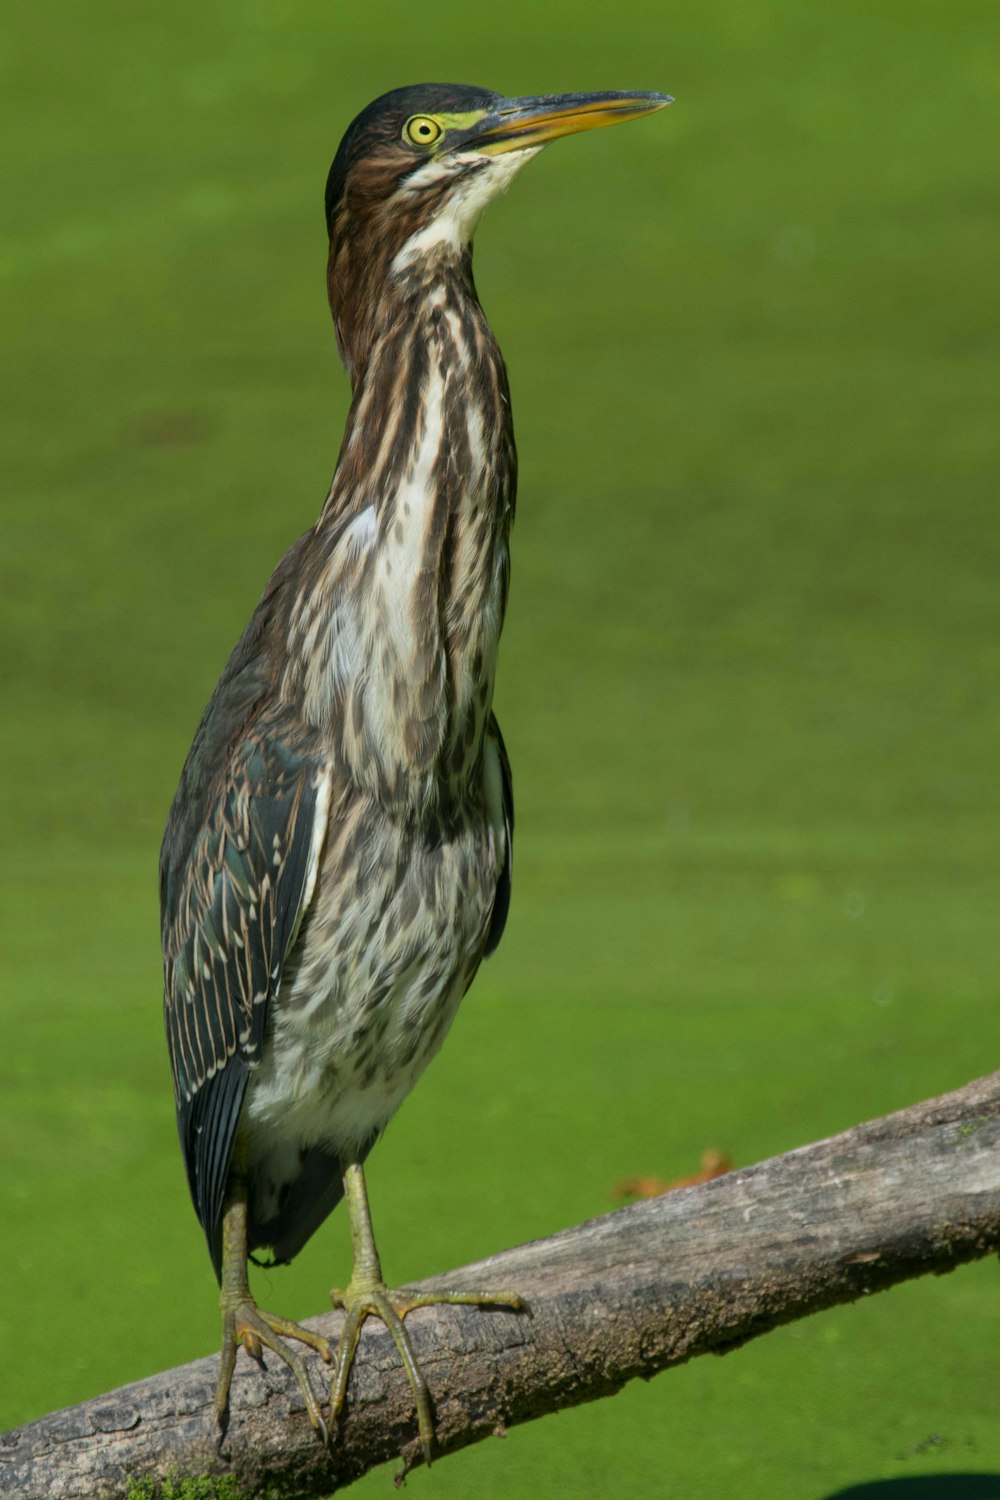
{"x": 408, "y": 607}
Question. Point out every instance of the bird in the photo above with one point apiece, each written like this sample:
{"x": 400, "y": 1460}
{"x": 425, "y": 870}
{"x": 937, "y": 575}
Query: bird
{"x": 337, "y": 858}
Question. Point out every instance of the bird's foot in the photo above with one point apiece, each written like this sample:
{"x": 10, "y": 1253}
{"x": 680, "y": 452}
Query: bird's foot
{"x": 367, "y": 1297}
{"x": 243, "y": 1322}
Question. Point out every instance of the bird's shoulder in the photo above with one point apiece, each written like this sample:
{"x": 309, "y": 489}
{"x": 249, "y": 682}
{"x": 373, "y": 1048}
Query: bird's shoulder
{"x": 235, "y": 715}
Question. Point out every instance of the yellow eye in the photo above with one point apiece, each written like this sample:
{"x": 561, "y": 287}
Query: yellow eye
{"x": 422, "y": 130}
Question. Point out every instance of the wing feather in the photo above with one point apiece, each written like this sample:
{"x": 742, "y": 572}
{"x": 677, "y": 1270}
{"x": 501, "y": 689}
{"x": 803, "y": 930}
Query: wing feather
{"x": 500, "y": 800}
{"x": 235, "y": 882}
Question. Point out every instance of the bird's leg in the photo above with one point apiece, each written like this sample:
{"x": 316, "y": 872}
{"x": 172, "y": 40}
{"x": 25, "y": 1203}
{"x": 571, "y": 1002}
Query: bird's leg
{"x": 243, "y": 1322}
{"x": 368, "y": 1296}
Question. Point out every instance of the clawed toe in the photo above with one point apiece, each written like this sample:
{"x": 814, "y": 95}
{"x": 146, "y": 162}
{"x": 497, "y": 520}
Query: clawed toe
{"x": 246, "y": 1324}
{"x": 369, "y": 1298}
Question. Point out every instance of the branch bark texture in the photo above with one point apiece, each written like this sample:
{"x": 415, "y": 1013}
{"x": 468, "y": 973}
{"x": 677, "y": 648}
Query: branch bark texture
{"x": 649, "y": 1286}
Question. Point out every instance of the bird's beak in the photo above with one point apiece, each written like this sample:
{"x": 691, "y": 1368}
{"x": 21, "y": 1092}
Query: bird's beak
{"x": 518, "y": 124}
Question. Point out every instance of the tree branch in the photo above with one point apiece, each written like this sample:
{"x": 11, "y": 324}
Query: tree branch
{"x": 649, "y": 1286}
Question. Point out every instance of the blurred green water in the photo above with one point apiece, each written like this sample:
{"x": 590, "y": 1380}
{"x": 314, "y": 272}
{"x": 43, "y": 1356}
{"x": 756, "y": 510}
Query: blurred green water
{"x": 748, "y": 681}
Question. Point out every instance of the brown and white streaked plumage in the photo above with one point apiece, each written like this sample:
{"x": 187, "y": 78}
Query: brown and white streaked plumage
{"x": 337, "y": 859}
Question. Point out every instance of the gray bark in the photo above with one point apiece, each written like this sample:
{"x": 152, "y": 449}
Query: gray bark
{"x": 626, "y": 1295}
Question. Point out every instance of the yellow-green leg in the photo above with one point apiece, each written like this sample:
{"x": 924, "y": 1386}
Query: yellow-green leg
{"x": 368, "y": 1296}
{"x": 244, "y": 1323}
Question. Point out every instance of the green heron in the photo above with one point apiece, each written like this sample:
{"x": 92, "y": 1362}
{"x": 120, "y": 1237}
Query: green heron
{"x": 337, "y": 859}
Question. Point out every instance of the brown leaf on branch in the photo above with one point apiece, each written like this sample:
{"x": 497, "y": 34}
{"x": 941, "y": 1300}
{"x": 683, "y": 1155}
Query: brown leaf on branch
{"x": 713, "y": 1164}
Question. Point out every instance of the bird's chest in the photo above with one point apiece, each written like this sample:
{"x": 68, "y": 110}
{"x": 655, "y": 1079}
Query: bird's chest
{"x": 392, "y": 941}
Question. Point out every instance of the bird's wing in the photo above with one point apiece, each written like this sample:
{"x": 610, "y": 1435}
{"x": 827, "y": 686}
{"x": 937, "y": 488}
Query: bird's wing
{"x": 500, "y": 804}
{"x": 235, "y": 880}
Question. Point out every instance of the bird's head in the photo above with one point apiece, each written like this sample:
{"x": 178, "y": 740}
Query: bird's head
{"x": 428, "y": 159}
{"x": 418, "y": 166}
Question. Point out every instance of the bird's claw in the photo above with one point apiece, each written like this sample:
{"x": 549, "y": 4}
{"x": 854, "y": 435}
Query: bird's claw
{"x": 245, "y": 1323}
{"x": 365, "y": 1299}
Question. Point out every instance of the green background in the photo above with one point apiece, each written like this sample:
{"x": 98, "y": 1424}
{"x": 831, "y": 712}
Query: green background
{"x": 748, "y": 683}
